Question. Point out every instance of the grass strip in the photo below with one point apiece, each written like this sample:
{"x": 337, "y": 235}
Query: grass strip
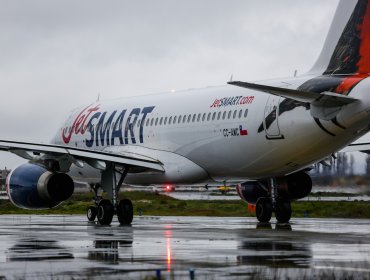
{"x": 162, "y": 205}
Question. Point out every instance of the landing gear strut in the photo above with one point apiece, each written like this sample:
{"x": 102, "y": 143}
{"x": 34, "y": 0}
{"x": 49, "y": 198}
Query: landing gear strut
{"x": 104, "y": 209}
{"x": 267, "y": 205}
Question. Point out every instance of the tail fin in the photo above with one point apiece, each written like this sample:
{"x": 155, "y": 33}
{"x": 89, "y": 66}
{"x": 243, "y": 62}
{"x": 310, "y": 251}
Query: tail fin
{"x": 347, "y": 47}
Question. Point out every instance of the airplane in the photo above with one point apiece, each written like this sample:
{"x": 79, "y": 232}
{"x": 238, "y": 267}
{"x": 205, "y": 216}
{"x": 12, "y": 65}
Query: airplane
{"x": 262, "y": 136}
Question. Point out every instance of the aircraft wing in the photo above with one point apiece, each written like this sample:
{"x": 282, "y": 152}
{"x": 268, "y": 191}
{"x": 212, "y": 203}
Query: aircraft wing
{"x": 327, "y": 99}
{"x": 96, "y": 159}
{"x": 358, "y": 147}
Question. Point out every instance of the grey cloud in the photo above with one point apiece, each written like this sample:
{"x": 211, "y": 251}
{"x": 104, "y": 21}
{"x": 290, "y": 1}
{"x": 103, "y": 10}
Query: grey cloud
{"x": 55, "y": 55}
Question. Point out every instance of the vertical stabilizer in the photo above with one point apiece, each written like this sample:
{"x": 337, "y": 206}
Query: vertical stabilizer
{"x": 347, "y": 46}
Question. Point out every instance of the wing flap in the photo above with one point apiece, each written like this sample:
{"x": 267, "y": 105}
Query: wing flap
{"x": 358, "y": 147}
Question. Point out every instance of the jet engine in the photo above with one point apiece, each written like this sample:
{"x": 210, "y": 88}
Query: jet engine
{"x": 32, "y": 186}
{"x": 295, "y": 186}
{"x": 292, "y": 187}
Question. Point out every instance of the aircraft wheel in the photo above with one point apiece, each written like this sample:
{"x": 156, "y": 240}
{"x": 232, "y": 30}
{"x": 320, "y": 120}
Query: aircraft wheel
{"x": 91, "y": 213}
{"x": 283, "y": 210}
{"x": 125, "y": 212}
{"x": 264, "y": 209}
{"x": 105, "y": 212}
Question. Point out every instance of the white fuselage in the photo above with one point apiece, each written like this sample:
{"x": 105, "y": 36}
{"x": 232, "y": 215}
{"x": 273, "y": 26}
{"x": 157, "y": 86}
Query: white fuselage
{"x": 223, "y": 130}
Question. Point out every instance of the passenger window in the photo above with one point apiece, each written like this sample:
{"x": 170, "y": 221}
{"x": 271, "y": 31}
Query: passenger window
{"x": 204, "y": 117}
{"x": 184, "y": 119}
{"x": 161, "y": 121}
{"x": 234, "y": 115}
{"x": 194, "y": 116}
{"x": 229, "y": 115}
{"x": 139, "y": 123}
{"x": 209, "y": 116}
{"x": 214, "y": 116}
{"x": 224, "y": 115}
{"x": 156, "y": 121}
{"x": 174, "y": 119}
{"x": 165, "y": 120}
{"x": 199, "y": 115}
{"x": 218, "y": 115}
{"x": 152, "y": 122}
{"x": 170, "y": 120}
{"x": 147, "y": 122}
{"x": 246, "y": 113}
{"x": 240, "y": 113}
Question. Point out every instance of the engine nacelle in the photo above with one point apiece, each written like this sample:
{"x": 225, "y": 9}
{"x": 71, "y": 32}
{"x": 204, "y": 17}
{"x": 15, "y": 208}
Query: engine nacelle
{"x": 295, "y": 186}
{"x": 31, "y": 186}
{"x": 251, "y": 191}
{"x": 292, "y": 187}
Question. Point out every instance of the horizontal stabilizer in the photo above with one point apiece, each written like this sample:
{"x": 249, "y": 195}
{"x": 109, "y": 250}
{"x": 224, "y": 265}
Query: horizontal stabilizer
{"x": 324, "y": 105}
{"x": 329, "y": 98}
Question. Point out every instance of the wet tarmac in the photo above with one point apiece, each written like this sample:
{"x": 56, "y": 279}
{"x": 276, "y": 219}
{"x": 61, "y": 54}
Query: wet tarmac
{"x": 68, "y": 247}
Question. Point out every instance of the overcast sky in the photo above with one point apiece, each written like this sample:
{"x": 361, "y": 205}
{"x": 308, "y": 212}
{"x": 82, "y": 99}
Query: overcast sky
{"x": 56, "y": 55}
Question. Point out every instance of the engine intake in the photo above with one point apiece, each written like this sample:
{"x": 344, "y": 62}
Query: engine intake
{"x": 251, "y": 191}
{"x": 32, "y": 186}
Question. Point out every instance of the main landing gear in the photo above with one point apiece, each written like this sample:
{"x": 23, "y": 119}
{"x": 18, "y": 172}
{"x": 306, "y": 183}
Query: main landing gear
{"x": 267, "y": 205}
{"x": 104, "y": 209}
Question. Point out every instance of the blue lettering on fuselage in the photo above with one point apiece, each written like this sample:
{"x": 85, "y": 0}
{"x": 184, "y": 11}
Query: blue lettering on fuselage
{"x": 91, "y": 130}
{"x": 106, "y": 129}
{"x": 131, "y": 121}
{"x": 103, "y": 129}
{"x": 117, "y": 129}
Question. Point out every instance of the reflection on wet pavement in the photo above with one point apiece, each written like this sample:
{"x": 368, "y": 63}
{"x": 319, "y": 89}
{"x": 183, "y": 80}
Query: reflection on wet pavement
{"x": 37, "y": 250}
{"x": 66, "y": 247}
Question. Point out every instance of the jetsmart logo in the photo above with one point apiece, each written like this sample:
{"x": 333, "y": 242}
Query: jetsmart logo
{"x": 79, "y": 126}
{"x": 107, "y": 128}
{"x": 232, "y": 101}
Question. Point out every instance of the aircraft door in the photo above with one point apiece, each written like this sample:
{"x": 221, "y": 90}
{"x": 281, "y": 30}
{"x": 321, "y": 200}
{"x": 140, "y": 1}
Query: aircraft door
{"x": 271, "y": 118}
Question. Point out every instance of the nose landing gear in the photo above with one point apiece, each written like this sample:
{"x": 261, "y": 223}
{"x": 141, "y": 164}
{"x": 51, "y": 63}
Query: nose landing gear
{"x": 105, "y": 209}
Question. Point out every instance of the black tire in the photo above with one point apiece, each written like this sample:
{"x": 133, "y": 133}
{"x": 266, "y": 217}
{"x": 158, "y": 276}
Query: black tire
{"x": 264, "y": 209}
{"x": 105, "y": 212}
{"x": 91, "y": 213}
{"x": 125, "y": 212}
{"x": 283, "y": 211}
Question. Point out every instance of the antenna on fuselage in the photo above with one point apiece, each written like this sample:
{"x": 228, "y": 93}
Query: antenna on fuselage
{"x": 98, "y": 99}
{"x": 231, "y": 78}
